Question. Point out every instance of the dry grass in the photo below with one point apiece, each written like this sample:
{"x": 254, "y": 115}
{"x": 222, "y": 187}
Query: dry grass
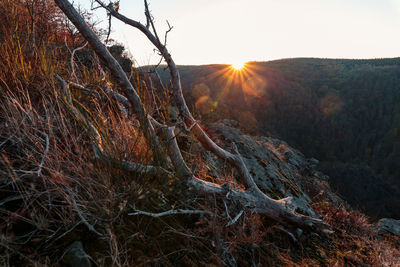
{"x": 53, "y": 190}
{"x": 356, "y": 241}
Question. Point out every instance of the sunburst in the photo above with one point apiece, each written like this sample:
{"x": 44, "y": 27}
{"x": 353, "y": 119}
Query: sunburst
{"x": 238, "y": 65}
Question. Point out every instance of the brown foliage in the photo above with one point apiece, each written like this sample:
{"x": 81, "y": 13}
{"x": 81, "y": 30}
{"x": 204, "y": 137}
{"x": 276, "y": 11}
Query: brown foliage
{"x": 356, "y": 241}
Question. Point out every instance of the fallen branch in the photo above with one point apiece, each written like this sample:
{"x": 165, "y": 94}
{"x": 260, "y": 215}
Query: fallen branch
{"x": 252, "y": 198}
{"x": 97, "y": 147}
{"x": 79, "y": 116}
{"x": 170, "y": 212}
{"x": 137, "y": 168}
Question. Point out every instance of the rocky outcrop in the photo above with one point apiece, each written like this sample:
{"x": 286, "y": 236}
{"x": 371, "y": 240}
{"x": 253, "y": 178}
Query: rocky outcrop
{"x": 387, "y": 225}
{"x": 75, "y": 256}
{"x": 279, "y": 170}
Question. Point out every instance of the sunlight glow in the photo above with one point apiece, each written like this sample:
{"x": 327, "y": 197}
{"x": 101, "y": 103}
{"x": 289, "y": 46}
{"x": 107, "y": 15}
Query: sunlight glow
{"x": 238, "y": 65}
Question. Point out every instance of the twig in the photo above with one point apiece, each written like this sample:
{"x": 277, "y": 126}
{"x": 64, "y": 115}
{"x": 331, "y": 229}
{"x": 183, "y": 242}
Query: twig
{"x": 46, "y": 151}
{"x": 174, "y": 231}
{"x": 159, "y": 79}
{"x": 5, "y": 141}
{"x": 72, "y": 61}
{"x": 154, "y": 96}
{"x": 127, "y": 165}
{"x": 109, "y": 28}
{"x": 83, "y": 88}
{"x": 288, "y": 233}
{"x": 62, "y": 235}
{"x": 194, "y": 122}
{"x": 235, "y": 219}
{"x": 79, "y": 115}
{"x": 88, "y": 225}
{"x": 12, "y": 198}
{"x": 120, "y": 99}
{"x": 227, "y": 211}
{"x": 150, "y": 19}
{"x": 166, "y": 33}
{"x": 170, "y": 212}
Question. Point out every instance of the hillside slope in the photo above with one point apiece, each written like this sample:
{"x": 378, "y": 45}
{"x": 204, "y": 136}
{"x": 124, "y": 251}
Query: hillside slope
{"x": 345, "y": 113}
{"x": 64, "y": 203}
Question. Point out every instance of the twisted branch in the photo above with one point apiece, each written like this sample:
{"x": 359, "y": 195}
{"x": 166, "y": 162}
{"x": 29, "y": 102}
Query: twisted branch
{"x": 252, "y": 198}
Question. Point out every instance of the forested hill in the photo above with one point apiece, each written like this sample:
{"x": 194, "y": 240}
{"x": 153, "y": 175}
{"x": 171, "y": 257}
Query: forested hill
{"x": 346, "y": 113}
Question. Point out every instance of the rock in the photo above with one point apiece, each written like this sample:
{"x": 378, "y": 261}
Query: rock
{"x": 299, "y": 232}
{"x": 75, "y": 256}
{"x": 277, "y": 169}
{"x": 387, "y": 225}
{"x": 313, "y": 162}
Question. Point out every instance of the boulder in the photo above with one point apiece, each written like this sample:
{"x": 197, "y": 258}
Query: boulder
{"x": 387, "y": 225}
{"x": 75, "y": 256}
{"x": 277, "y": 169}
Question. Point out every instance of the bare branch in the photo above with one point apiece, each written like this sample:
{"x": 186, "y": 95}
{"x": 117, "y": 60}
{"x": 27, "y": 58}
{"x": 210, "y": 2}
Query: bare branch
{"x": 88, "y": 225}
{"x": 150, "y": 19}
{"x": 127, "y": 107}
{"x": 116, "y": 71}
{"x": 68, "y": 101}
{"x": 252, "y": 199}
{"x": 170, "y": 212}
{"x": 159, "y": 79}
{"x": 150, "y": 88}
{"x": 234, "y": 220}
{"x": 72, "y": 61}
{"x": 109, "y": 28}
{"x": 134, "y": 167}
{"x": 83, "y": 88}
{"x": 166, "y": 33}
{"x": 46, "y": 151}
{"x": 126, "y": 165}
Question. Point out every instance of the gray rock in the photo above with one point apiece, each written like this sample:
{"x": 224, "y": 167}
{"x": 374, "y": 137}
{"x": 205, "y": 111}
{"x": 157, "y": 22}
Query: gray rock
{"x": 75, "y": 256}
{"x": 313, "y": 162}
{"x": 299, "y": 232}
{"x": 387, "y": 225}
{"x": 277, "y": 168}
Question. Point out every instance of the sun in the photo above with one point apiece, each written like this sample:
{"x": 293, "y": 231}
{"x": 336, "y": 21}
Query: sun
{"x": 238, "y": 65}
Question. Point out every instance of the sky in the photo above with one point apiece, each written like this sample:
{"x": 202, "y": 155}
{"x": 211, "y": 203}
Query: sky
{"x": 234, "y": 31}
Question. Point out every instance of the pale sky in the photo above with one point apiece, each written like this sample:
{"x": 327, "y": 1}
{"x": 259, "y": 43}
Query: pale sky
{"x": 231, "y": 31}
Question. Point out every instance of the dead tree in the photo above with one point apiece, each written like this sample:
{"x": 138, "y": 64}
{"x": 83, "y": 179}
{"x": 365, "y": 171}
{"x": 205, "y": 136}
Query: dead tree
{"x": 251, "y": 198}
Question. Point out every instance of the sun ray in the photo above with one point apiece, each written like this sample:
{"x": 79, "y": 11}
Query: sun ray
{"x": 239, "y": 65}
